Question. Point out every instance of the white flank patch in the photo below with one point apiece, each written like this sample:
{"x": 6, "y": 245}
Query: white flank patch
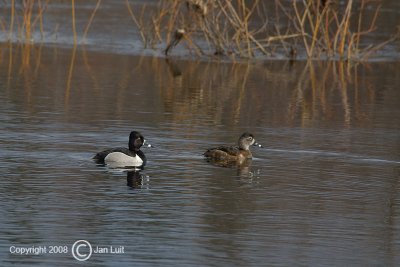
{"x": 119, "y": 159}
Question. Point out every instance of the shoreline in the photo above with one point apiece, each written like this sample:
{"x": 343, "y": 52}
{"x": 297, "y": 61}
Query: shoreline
{"x": 181, "y": 56}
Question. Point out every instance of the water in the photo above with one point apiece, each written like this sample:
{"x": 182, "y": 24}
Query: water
{"x": 324, "y": 190}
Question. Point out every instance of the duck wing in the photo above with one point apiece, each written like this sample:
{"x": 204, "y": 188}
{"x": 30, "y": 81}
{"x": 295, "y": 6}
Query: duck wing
{"x": 222, "y": 152}
{"x": 99, "y": 157}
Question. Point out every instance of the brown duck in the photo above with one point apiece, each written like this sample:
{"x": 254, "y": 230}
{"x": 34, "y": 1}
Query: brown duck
{"x": 238, "y": 154}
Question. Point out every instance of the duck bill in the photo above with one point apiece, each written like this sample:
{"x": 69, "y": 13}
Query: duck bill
{"x": 147, "y": 144}
{"x": 257, "y": 144}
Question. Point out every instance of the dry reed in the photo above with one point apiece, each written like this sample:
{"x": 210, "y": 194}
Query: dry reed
{"x": 237, "y": 29}
{"x": 91, "y": 20}
{"x": 241, "y": 28}
{"x": 73, "y": 21}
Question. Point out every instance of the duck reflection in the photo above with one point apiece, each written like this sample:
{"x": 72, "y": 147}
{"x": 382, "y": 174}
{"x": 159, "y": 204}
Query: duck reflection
{"x": 135, "y": 180}
{"x": 173, "y": 68}
{"x": 243, "y": 169}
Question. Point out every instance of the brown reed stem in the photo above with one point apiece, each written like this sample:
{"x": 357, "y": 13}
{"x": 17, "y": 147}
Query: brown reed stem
{"x": 40, "y": 18}
{"x": 91, "y": 19}
{"x": 344, "y": 28}
{"x": 138, "y": 25}
{"x": 73, "y": 21}
{"x": 28, "y": 6}
{"x": 11, "y": 20}
{"x": 300, "y": 20}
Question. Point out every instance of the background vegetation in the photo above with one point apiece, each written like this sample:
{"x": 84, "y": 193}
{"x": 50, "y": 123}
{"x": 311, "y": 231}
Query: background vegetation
{"x": 313, "y": 29}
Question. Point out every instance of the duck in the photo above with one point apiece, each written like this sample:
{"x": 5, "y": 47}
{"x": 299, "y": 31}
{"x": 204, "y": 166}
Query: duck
{"x": 125, "y": 157}
{"x": 233, "y": 154}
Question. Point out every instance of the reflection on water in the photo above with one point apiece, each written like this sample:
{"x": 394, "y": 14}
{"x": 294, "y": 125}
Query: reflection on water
{"x": 301, "y": 94}
{"x": 135, "y": 179}
{"x": 323, "y": 191}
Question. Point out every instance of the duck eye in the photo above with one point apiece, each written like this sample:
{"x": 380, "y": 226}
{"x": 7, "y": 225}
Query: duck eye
{"x": 250, "y": 138}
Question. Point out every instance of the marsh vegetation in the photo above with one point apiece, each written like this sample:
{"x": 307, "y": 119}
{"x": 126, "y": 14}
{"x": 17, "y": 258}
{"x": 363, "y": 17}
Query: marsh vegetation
{"x": 306, "y": 29}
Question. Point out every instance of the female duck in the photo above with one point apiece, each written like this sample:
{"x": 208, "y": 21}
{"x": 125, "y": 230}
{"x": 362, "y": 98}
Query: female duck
{"x": 238, "y": 154}
{"x": 124, "y": 157}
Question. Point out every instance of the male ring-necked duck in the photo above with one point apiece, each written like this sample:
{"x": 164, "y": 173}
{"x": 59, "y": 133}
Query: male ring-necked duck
{"x": 237, "y": 154}
{"x": 124, "y": 157}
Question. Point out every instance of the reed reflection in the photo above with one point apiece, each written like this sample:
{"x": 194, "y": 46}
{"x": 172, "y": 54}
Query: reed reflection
{"x": 318, "y": 87}
{"x": 70, "y": 73}
{"x": 205, "y": 92}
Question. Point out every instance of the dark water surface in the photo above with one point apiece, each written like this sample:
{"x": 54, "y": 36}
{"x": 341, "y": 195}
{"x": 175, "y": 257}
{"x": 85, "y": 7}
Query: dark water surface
{"x": 323, "y": 192}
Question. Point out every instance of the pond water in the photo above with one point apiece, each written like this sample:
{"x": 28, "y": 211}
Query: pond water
{"x": 324, "y": 190}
